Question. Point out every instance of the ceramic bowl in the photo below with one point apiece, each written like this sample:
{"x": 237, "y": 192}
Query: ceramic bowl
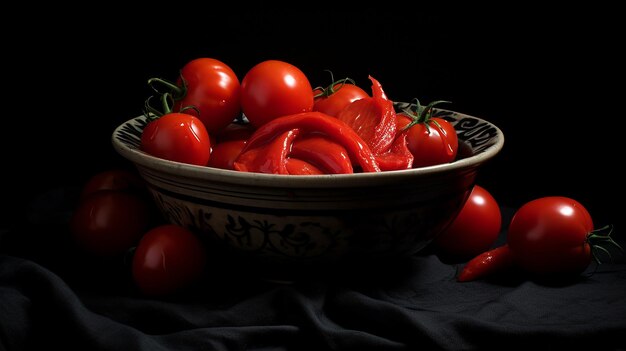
{"x": 316, "y": 219}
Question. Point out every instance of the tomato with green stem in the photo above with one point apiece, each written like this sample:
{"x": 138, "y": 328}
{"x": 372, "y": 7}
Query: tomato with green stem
{"x": 432, "y": 140}
{"x": 175, "y": 136}
{"x": 208, "y": 85}
{"x": 335, "y": 97}
{"x": 555, "y": 235}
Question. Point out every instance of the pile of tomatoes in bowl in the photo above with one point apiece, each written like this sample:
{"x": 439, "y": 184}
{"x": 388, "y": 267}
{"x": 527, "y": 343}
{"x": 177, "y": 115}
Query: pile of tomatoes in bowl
{"x": 290, "y": 128}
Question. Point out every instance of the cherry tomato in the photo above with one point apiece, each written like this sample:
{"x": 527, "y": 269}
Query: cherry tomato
{"x": 474, "y": 230}
{"x": 177, "y": 137}
{"x": 272, "y": 89}
{"x": 432, "y": 140}
{"x": 110, "y": 222}
{"x": 224, "y": 154}
{"x": 550, "y": 235}
{"x": 337, "y": 96}
{"x": 168, "y": 259}
{"x": 213, "y": 88}
{"x": 113, "y": 179}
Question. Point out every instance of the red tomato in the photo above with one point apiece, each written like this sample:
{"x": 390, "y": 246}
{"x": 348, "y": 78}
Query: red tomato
{"x": 213, "y": 88}
{"x": 177, "y": 137}
{"x": 113, "y": 179}
{"x": 550, "y": 235}
{"x": 109, "y": 222}
{"x": 272, "y": 89}
{"x": 233, "y": 131}
{"x": 224, "y": 154}
{"x": 474, "y": 230}
{"x": 168, "y": 259}
{"x": 336, "y": 96}
{"x": 431, "y": 140}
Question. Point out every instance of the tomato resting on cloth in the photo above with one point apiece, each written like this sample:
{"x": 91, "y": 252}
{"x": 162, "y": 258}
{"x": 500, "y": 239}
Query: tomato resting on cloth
{"x": 325, "y": 144}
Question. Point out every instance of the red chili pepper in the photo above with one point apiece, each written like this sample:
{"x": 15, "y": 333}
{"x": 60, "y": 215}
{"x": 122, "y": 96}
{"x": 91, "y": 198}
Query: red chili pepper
{"x": 269, "y": 147}
{"x": 486, "y": 264}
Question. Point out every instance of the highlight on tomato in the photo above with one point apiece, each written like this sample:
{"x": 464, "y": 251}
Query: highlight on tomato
{"x": 555, "y": 235}
{"x": 336, "y": 96}
{"x": 474, "y": 230}
{"x": 175, "y": 136}
{"x": 274, "y": 88}
{"x": 432, "y": 140}
{"x": 168, "y": 259}
{"x": 208, "y": 85}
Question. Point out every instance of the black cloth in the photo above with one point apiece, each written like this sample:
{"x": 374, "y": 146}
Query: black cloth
{"x": 50, "y": 298}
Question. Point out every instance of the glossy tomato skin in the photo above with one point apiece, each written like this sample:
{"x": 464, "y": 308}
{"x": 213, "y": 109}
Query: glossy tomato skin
{"x": 548, "y": 236}
{"x": 224, "y": 154}
{"x": 475, "y": 229}
{"x": 108, "y": 223}
{"x": 169, "y": 258}
{"x": 431, "y": 143}
{"x": 272, "y": 89}
{"x": 214, "y": 89}
{"x": 332, "y": 103}
{"x": 177, "y": 137}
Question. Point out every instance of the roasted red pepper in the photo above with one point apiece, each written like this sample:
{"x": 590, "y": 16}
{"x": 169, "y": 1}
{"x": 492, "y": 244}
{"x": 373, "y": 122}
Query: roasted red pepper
{"x": 372, "y": 118}
{"x": 273, "y": 145}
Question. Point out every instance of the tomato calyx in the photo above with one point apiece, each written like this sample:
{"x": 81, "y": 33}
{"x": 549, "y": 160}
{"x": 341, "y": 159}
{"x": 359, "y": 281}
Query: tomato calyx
{"x": 598, "y": 239}
{"x": 422, "y": 114}
{"x": 334, "y": 86}
{"x": 177, "y": 92}
{"x": 152, "y": 113}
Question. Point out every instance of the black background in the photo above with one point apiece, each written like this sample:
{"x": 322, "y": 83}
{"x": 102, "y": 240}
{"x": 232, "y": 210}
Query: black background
{"x": 545, "y": 77}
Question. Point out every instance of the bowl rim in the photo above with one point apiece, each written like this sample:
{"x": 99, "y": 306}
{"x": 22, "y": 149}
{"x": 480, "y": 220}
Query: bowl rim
{"x": 204, "y": 173}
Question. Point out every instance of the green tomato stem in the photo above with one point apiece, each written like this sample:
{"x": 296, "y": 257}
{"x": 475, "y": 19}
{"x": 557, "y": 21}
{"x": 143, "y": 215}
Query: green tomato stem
{"x": 176, "y": 91}
{"x": 599, "y": 243}
{"x": 330, "y": 90}
{"x": 420, "y": 114}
